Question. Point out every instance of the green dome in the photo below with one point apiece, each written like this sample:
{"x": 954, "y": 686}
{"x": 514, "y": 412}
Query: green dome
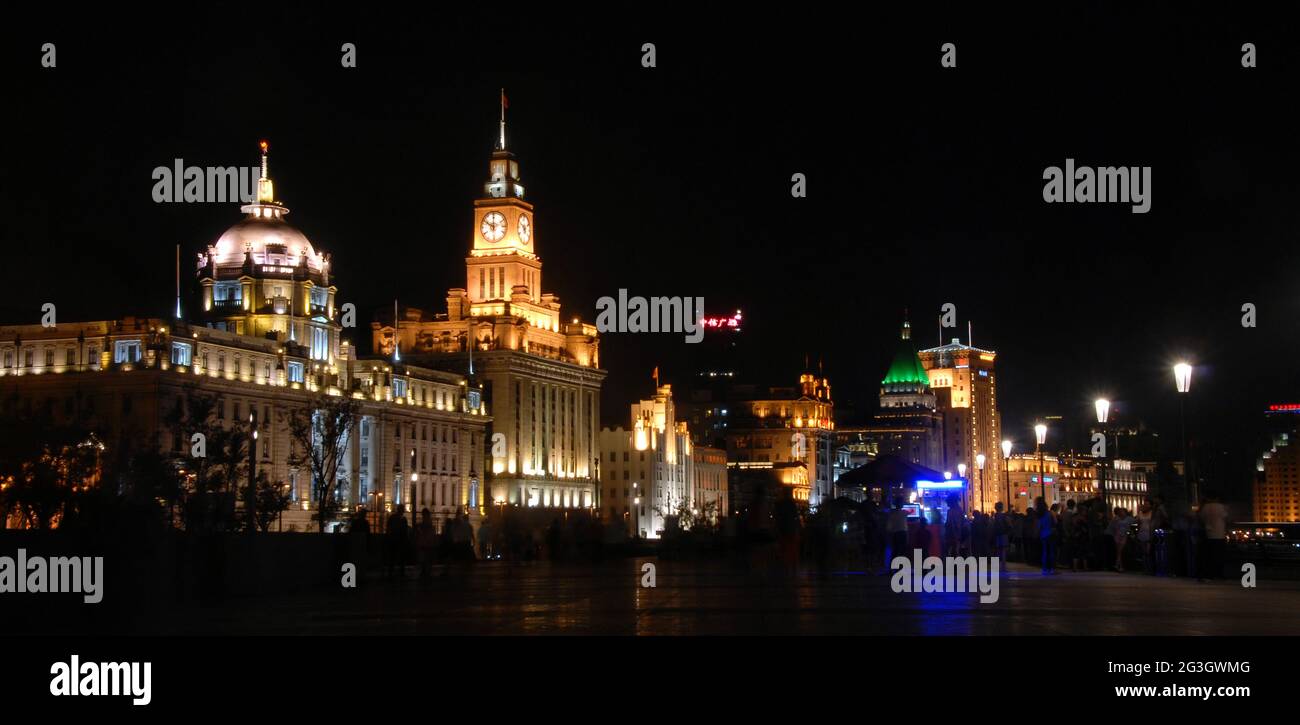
{"x": 906, "y": 368}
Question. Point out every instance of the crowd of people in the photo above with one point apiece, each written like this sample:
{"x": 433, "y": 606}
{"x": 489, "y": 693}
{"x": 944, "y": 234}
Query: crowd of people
{"x": 1080, "y": 536}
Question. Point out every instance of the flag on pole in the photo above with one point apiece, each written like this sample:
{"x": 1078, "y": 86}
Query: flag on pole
{"x": 504, "y": 103}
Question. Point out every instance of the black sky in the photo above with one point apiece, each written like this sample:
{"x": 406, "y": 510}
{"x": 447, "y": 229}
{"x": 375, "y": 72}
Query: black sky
{"x": 924, "y": 184}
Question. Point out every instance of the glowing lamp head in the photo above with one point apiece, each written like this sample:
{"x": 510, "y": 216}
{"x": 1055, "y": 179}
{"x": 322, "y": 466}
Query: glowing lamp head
{"x": 1006, "y": 449}
{"x": 961, "y": 470}
{"x": 947, "y": 475}
{"x": 979, "y": 461}
{"x": 1103, "y": 409}
{"x": 1183, "y": 377}
{"x": 1040, "y": 432}
{"x": 264, "y": 145}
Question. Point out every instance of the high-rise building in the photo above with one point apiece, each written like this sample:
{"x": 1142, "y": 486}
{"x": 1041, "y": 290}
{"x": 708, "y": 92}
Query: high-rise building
{"x": 538, "y": 367}
{"x": 1276, "y": 492}
{"x": 964, "y": 383}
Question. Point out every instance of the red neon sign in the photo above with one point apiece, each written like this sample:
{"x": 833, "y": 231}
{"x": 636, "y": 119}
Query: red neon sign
{"x": 722, "y": 323}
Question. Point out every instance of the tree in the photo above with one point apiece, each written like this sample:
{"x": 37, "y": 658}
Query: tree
{"x": 320, "y": 436}
{"x": 269, "y": 500}
{"x": 216, "y": 477}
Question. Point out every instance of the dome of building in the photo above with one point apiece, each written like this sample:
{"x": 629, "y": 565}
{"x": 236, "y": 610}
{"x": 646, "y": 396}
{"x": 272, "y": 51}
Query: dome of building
{"x": 264, "y": 233}
{"x": 269, "y": 238}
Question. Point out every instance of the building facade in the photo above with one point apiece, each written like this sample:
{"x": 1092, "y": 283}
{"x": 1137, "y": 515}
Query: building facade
{"x": 964, "y": 382}
{"x": 1275, "y": 497}
{"x": 264, "y": 344}
{"x": 538, "y": 367}
{"x": 1074, "y": 477}
{"x": 787, "y": 425}
{"x": 653, "y": 476}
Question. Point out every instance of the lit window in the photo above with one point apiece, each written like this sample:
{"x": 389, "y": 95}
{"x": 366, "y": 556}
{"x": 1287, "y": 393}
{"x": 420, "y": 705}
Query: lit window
{"x": 295, "y": 372}
{"x": 126, "y": 351}
{"x": 181, "y": 353}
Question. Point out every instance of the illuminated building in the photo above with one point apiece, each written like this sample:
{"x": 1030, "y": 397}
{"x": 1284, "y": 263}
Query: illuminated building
{"x": 710, "y": 492}
{"x": 650, "y": 471}
{"x": 266, "y": 347}
{"x": 786, "y": 425}
{"x": 539, "y": 368}
{"x": 964, "y": 384}
{"x": 1075, "y": 477}
{"x": 263, "y": 277}
{"x": 909, "y": 425}
{"x": 1275, "y": 495}
{"x": 1023, "y": 474}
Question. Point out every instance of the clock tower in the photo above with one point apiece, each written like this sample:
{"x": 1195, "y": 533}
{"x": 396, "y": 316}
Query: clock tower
{"x": 502, "y": 261}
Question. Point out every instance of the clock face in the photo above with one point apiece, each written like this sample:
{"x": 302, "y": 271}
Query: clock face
{"x": 494, "y": 226}
{"x": 525, "y": 229}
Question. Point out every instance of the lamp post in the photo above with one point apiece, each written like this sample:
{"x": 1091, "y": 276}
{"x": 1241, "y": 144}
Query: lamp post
{"x": 1006, "y": 470}
{"x": 961, "y": 473}
{"x": 1183, "y": 379}
{"x": 1103, "y": 414}
{"x": 1040, "y": 434}
{"x": 636, "y": 511}
{"x": 251, "y": 503}
{"x": 979, "y": 462}
{"x": 284, "y": 489}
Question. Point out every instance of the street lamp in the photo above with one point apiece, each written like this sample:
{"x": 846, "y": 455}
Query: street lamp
{"x": 965, "y": 494}
{"x": 1006, "y": 470}
{"x": 1103, "y": 414}
{"x": 251, "y": 503}
{"x": 979, "y": 462}
{"x": 636, "y": 509}
{"x": 1040, "y": 434}
{"x": 1183, "y": 379}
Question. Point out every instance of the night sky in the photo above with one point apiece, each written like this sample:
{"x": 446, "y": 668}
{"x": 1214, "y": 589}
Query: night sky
{"x": 925, "y": 185}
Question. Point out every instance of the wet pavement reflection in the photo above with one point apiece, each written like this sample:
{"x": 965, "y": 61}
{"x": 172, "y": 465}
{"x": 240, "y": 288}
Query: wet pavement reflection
{"x": 714, "y": 598}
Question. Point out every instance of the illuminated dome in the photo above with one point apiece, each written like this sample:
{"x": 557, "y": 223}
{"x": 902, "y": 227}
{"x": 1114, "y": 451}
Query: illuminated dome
{"x": 271, "y": 240}
{"x": 264, "y": 233}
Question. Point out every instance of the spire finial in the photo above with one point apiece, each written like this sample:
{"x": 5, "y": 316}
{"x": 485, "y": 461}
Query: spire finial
{"x": 265, "y": 189}
{"x": 501, "y": 142}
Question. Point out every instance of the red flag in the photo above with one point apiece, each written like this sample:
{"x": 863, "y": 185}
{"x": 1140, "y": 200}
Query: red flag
{"x": 504, "y": 102}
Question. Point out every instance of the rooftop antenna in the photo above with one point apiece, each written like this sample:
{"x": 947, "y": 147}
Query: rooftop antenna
{"x": 397, "y": 343}
{"x": 970, "y": 338}
{"x": 178, "y": 281}
{"x": 501, "y": 143}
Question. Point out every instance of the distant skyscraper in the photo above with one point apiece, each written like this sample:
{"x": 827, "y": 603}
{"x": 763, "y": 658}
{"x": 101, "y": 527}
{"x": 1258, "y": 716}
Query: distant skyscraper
{"x": 1276, "y": 494}
{"x": 965, "y": 388}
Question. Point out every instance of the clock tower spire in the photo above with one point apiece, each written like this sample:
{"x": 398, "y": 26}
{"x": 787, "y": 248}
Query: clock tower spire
{"x": 501, "y": 142}
{"x": 502, "y": 260}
